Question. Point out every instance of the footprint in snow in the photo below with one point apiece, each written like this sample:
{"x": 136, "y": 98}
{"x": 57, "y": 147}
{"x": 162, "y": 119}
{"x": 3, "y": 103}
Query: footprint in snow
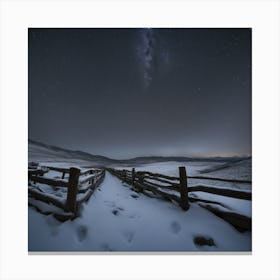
{"x": 175, "y": 227}
{"x": 82, "y": 232}
{"x": 117, "y": 211}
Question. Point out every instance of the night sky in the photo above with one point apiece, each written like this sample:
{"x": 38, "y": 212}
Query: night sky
{"x": 133, "y": 92}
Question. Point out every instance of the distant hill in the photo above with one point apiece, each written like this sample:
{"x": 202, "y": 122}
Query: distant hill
{"x": 38, "y": 151}
{"x": 42, "y": 152}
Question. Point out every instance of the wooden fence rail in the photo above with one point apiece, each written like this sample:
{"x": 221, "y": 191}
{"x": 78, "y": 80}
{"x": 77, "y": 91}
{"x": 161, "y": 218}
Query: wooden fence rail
{"x": 153, "y": 182}
{"x": 222, "y": 191}
{"x": 48, "y": 181}
{"x": 176, "y": 188}
{"x": 74, "y": 185}
{"x": 220, "y": 179}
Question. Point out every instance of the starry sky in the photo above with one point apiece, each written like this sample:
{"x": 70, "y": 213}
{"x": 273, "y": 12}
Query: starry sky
{"x": 126, "y": 92}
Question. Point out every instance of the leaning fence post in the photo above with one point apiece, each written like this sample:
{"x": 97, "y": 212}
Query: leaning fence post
{"x": 133, "y": 175}
{"x": 183, "y": 188}
{"x": 71, "y": 201}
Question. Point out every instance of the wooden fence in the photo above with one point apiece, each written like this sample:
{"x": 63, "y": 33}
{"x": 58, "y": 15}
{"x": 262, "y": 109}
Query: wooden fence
{"x": 177, "y": 189}
{"x": 171, "y": 188}
{"x": 79, "y": 186}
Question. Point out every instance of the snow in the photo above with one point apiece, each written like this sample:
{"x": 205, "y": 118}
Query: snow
{"x": 117, "y": 218}
{"x": 232, "y": 170}
{"x": 171, "y": 167}
{"x": 240, "y": 206}
{"x": 241, "y": 170}
{"x": 47, "y": 191}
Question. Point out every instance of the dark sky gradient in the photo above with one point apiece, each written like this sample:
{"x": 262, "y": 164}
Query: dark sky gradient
{"x": 133, "y": 92}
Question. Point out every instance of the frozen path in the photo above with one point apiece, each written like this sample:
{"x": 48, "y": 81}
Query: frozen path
{"x": 119, "y": 219}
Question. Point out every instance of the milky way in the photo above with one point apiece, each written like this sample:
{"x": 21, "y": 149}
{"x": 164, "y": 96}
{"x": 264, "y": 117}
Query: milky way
{"x": 152, "y": 54}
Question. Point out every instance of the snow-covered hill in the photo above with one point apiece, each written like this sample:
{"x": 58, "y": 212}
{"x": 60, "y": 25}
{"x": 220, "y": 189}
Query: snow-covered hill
{"x": 39, "y": 152}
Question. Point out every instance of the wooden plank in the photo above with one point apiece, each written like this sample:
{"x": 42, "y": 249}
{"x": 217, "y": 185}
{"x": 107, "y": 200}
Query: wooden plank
{"x": 157, "y": 175}
{"x": 100, "y": 178}
{"x": 92, "y": 187}
{"x": 89, "y": 178}
{"x": 47, "y": 181}
{"x": 90, "y": 171}
{"x": 220, "y": 179}
{"x": 161, "y": 180}
{"x": 222, "y": 191}
{"x": 173, "y": 188}
{"x": 85, "y": 189}
{"x": 157, "y": 191}
{"x": 47, "y": 209}
{"x": 97, "y": 179}
{"x": 58, "y": 169}
{"x": 86, "y": 197}
{"x": 36, "y": 172}
{"x": 46, "y": 198}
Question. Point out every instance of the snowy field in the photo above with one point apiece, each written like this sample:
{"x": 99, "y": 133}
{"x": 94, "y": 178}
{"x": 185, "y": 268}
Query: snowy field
{"x": 116, "y": 218}
{"x": 227, "y": 170}
{"x": 119, "y": 219}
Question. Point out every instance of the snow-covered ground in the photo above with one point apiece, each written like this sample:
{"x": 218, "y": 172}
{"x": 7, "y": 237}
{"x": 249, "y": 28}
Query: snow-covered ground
{"x": 116, "y": 218}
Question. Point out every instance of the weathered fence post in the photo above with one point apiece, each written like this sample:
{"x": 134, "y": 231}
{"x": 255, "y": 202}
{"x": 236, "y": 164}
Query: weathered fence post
{"x": 184, "y": 188}
{"x": 133, "y": 176}
{"x": 71, "y": 202}
{"x": 124, "y": 174}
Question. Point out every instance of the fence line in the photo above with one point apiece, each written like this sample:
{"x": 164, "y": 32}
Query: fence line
{"x": 176, "y": 189}
{"x": 169, "y": 190}
{"x": 73, "y": 185}
{"x": 81, "y": 185}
